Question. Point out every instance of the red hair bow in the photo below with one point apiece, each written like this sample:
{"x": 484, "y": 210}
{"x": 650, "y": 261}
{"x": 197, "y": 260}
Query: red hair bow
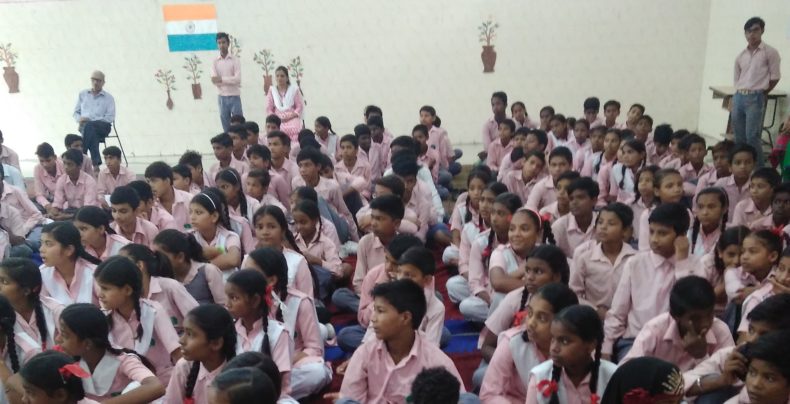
{"x": 73, "y": 369}
{"x": 546, "y": 217}
{"x": 594, "y": 399}
{"x": 189, "y": 400}
{"x": 268, "y": 297}
{"x": 778, "y": 231}
{"x": 637, "y": 396}
{"x": 519, "y": 318}
{"x": 57, "y": 348}
{"x": 547, "y": 387}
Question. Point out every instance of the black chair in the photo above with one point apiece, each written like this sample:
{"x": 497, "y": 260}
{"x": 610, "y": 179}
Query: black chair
{"x": 114, "y": 134}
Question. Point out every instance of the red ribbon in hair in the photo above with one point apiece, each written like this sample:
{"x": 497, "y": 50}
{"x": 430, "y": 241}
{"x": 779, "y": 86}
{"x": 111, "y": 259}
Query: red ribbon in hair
{"x": 546, "y": 217}
{"x": 268, "y": 297}
{"x": 547, "y": 387}
{"x": 519, "y": 318}
{"x": 57, "y": 348}
{"x": 189, "y": 400}
{"x": 778, "y": 231}
{"x": 73, "y": 369}
{"x": 594, "y": 399}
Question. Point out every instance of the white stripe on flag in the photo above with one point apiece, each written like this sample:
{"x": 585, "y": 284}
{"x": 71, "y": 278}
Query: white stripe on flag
{"x": 191, "y": 27}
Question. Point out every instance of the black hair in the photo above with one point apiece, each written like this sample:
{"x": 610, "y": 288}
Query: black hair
{"x": 156, "y": 263}
{"x": 420, "y": 128}
{"x": 262, "y": 176}
{"x": 393, "y": 183}
{"x": 391, "y": 205}
{"x": 611, "y": 103}
{"x": 222, "y": 35}
{"x": 497, "y": 188}
{"x": 512, "y": 203}
{"x": 435, "y": 385}
{"x": 121, "y": 271}
{"x": 773, "y": 349}
{"x": 125, "y": 194}
{"x": 161, "y": 170}
{"x": 638, "y": 106}
{"x": 261, "y": 151}
{"x": 253, "y": 127}
{"x": 769, "y": 174}
{"x": 638, "y": 147}
{"x": 305, "y": 192}
{"x": 190, "y": 158}
{"x": 725, "y": 203}
{"x": 543, "y": 224}
{"x": 246, "y": 385}
{"x": 542, "y": 137}
{"x": 181, "y": 169}
{"x": 404, "y": 164}
{"x": 743, "y": 148}
{"x": 272, "y": 118}
{"x": 592, "y": 103}
{"x": 272, "y": 262}
{"x": 482, "y": 173}
{"x": 406, "y": 143}
{"x": 326, "y": 163}
{"x": 619, "y": 135}
{"x": 429, "y": 109}
{"x": 361, "y": 130}
{"x": 284, "y": 138}
{"x": 284, "y": 70}
{"x": 534, "y": 153}
{"x": 252, "y": 282}
{"x": 752, "y": 21}
{"x": 662, "y": 134}
{"x": 420, "y": 258}
{"x": 584, "y": 322}
{"x": 260, "y": 361}
{"x": 547, "y": 108}
{"x": 583, "y": 122}
{"x": 378, "y": 120}
{"x": 690, "y": 139}
{"x": 652, "y": 170}
{"x": 325, "y": 122}
{"x": 402, "y": 243}
{"x": 144, "y": 190}
{"x": 559, "y": 118}
{"x": 586, "y": 184}
{"x": 213, "y": 200}
{"x": 311, "y": 154}
{"x": 240, "y": 130}
{"x": 691, "y": 293}
{"x": 70, "y": 139}
{"x": 404, "y": 295}
{"x": 232, "y": 177}
{"x": 511, "y": 124}
{"x": 27, "y": 275}
{"x": 74, "y": 156}
{"x": 7, "y": 323}
{"x": 662, "y": 174}
{"x": 731, "y": 236}
{"x": 679, "y": 134}
{"x": 311, "y": 210}
{"x": 623, "y": 212}
{"x": 45, "y": 150}
{"x": 86, "y": 321}
{"x": 557, "y": 261}
{"x": 215, "y": 321}
{"x": 222, "y": 139}
{"x": 350, "y": 139}
{"x": 773, "y": 310}
{"x": 561, "y": 151}
{"x": 502, "y": 97}
{"x": 674, "y": 215}
{"x": 237, "y": 119}
{"x": 647, "y": 118}
{"x": 95, "y": 217}
{"x": 724, "y": 146}
{"x": 66, "y": 234}
{"x": 373, "y": 109}
{"x": 43, "y": 372}
{"x": 769, "y": 240}
{"x": 558, "y": 295}
{"x": 176, "y": 242}
{"x": 113, "y": 151}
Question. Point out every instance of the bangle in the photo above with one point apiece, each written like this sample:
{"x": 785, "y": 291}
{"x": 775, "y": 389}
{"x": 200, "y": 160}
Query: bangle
{"x": 698, "y": 383}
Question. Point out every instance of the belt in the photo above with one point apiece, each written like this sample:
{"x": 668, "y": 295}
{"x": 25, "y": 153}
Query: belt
{"x": 747, "y": 92}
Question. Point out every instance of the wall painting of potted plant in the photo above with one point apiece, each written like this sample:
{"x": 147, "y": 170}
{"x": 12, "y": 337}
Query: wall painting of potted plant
{"x": 9, "y": 73}
{"x": 265, "y": 58}
{"x": 297, "y": 72}
{"x": 168, "y": 79}
{"x": 234, "y": 48}
{"x": 487, "y": 34}
{"x": 193, "y": 67}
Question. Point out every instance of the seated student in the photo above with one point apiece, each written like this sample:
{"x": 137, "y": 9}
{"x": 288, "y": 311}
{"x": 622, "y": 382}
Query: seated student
{"x": 643, "y": 294}
{"x": 644, "y": 197}
{"x": 98, "y": 237}
{"x": 560, "y": 135}
{"x": 194, "y": 161}
{"x": 572, "y": 230}
{"x": 253, "y": 133}
{"x": 427, "y": 156}
{"x": 592, "y": 106}
{"x": 386, "y": 215}
{"x": 280, "y": 148}
{"x": 389, "y": 185}
{"x": 320, "y": 252}
{"x": 371, "y": 376}
{"x": 332, "y": 225}
{"x": 174, "y": 201}
{"x": 237, "y": 120}
{"x": 305, "y": 138}
{"x": 767, "y": 379}
{"x": 73, "y": 190}
{"x": 45, "y": 175}
{"x": 544, "y": 192}
{"x": 644, "y": 125}
{"x": 238, "y": 135}
{"x": 519, "y": 115}
{"x": 611, "y": 110}
{"x": 675, "y": 158}
{"x": 240, "y": 204}
{"x": 523, "y": 181}
{"x": 371, "y": 150}
{"x": 514, "y": 161}
{"x": 65, "y": 258}
{"x": 634, "y": 113}
{"x": 467, "y": 210}
{"x": 646, "y": 379}
{"x": 149, "y": 209}
{"x": 404, "y": 165}
{"x": 689, "y": 333}
{"x": 25, "y": 235}
{"x": 260, "y": 158}
{"x": 580, "y": 142}
{"x": 545, "y": 117}
{"x": 182, "y": 179}
{"x": 126, "y": 223}
{"x": 7, "y": 155}
{"x": 755, "y": 212}
{"x": 622, "y": 178}
{"x": 213, "y": 229}
{"x": 737, "y": 185}
{"x": 659, "y": 148}
{"x": 780, "y": 218}
{"x": 589, "y": 148}
{"x": 406, "y": 145}
{"x": 326, "y": 137}
{"x": 695, "y": 150}
{"x": 113, "y": 175}
{"x": 257, "y": 187}
{"x": 52, "y": 374}
{"x": 721, "y": 165}
{"x": 667, "y": 188}
{"x": 490, "y": 132}
{"x": 600, "y": 164}
{"x": 439, "y": 140}
{"x": 500, "y": 148}
{"x": 73, "y": 141}
{"x": 760, "y": 253}
{"x": 562, "y": 206}
{"x": 223, "y": 151}
{"x": 11, "y": 226}
{"x": 778, "y": 282}
{"x": 271, "y": 124}
{"x": 201, "y": 279}
{"x": 353, "y": 166}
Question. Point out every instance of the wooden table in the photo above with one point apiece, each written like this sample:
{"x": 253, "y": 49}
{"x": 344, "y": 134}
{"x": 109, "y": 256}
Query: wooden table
{"x": 725, "y": 93}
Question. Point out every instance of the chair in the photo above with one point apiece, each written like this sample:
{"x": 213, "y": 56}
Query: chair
{"x": 115, "y": 135}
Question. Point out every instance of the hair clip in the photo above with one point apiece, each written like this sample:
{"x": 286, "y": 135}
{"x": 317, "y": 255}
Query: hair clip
{"x": 547, "y": 387}
{"x": 268, "y": 297}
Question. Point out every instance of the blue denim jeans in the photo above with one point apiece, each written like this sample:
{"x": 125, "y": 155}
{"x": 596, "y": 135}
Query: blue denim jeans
{"x": 228, "y": 106}
{"x": 747, "y": 121}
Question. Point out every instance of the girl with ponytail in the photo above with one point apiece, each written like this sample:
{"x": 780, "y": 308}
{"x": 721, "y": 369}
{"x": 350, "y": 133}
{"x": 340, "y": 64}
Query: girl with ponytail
{"x": 136, "y": 323}
{"x": 16, "y": 349}
{"x": 84, "y": 335}
{"x": 212, "y": 229}
{"x": 575, "y": 351}
{"x": 249, "y": 299}
{"x": 710, "y": 220}
{"x": 622, "y": 181}
{"x": 208, "y": 343}
{"x": 54, "y": 377}
{"x": 326, "y": 137}
{"x": 466, "y": 210}
{"x": 201, "y": 279}
{"x": 67, "y": 272}
{"x": 158, "y": 283}
{"x": 99, "y": 239}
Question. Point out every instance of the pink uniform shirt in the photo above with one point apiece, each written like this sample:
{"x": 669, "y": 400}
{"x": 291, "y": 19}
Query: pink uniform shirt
{"x": 31, "y": 217}
{"x": 112, "y": 245}
{"x": 112, "y": 374}
{"x": 515, "y": 183}
{"x": 504, "y": 379}
{"x": 238, "y": 165}
{"x": 498, "y": 152}
{"x": 735, "y": 193}
{"x": 543, "y": 193}
{"x": 490, "y": 132}
{"x": 106, "y": 182}
{"x": 370, "y": 253}
{"x": 173, "y": 297}
{"x": 176, "y": 389}
{"x": 8, "y": 156}
{"x": 691, "y": 176}
{"x": 227, "y": 68}
{"x": 144, "y": 232}
{"x": 747, "y": 214}
{"x": 71, "y": 194}
{"x": 323, "y": 248}
{"x": 755, "y": 69}
{"x": 593, "y": 277}
{"x": 375, "y": 276}
{"x": 80, "y": 290}
{"x": 180, "y": 209}
{"x": 45, "y": 184}
{"x": 569, "y": 235}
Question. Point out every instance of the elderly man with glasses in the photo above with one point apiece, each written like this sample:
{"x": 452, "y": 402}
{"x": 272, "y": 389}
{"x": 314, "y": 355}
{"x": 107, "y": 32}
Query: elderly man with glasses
{"x": 95, "y": 114}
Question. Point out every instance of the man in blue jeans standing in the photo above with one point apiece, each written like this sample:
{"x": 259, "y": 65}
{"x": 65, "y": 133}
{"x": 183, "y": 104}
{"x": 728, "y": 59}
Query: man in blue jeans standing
{"x": 756, "y": 74}
{"x": 226, "y": 75}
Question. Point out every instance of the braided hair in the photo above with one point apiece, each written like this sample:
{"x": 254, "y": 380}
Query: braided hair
{"x": 584, "y": 322}
{"x": 214, "y": 321}
{"x": 67, "y": 235}
{"x": 638, "y": 147}
{"x": 213, "y": 200}
{"x": 558, "y": 295}
{"x": 544, "y": 226}
{"x": 512, "y": 203}
{"x": 27, "y": 276}
{"x": 482, "y": 173}
{"x": 272, "y": 262}
{"x": 7, "y": 322}
{"x": 725, "y": 203}
{"x": 311, "y": 210}
{"x": 155, "y": 263}
{"x": 252, "y": 283}
{"x": 175, "y": 242}
{"x": 95, "y": 217}
{"x": 43, "y": 372}
{"x": 597, "y": 167}
{"x": 232, "y": 177}
{"x": 556, "y": 260}
{"x": 120, "y": 271}
{"x": 646, "y": 169}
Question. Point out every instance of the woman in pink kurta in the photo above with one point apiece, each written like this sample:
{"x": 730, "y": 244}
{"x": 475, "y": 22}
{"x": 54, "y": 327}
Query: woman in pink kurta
{"x": 285, "y": 100}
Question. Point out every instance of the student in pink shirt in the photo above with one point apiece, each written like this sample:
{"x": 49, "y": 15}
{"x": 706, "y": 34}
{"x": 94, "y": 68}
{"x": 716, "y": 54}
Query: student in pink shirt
{"x": 285, "y": 100}
{"x": 84, "y": 334}
{"x": 514, "y": 161}
{"x": 243, "y": 385}
{"x": 768, "y": 376}
{"x": 126, "y": 223}
{"x": 598, "y": 265}
{"x": 589, "y": 148}
{"x": 689, "y": 333}
{"x": 674, "y": 158}
{"x": 253, "y": 134}
{"x": 562, "y": 206}
{"x": 67, "y": 271}
{"x": 383, "y": 369}
{"x": 46, "y": 174}
{"x": 710, "y": 220}
{"x": 149, "y": 209}
{"x": 721, "y": 165}
{"x": 201, "y": 279}
{"x": 611, "y": 110}
{"x": 523, "y": 181}
{"x": 591, "y": 108}
{"x": 524, "y": 346}
{"x": 755, "y": 212}
{"x": 544, "y": 193}
{"x": 199, "y": 177}
{"x": 634, "y": 113}
{"x": 17, "y": 347}
{"x": 659, "y": 148}
{"x": 466, "y": 210}
{"x": 386, "y": 214}
{"x": 248, "y": 303}
{"x": 501, "y": 148}
{"x": 572, "y": 230}
{"x": 7, "y": 155}
{"x": 491, "y": 125}
{"x": 561, "y": 135}
{"x": 389, "y": 185}
{"x": 644, "y": 197}
{"x": 427, "y": 156}
{"x": 229, "y": 183}
{"x": 211, "y": 227}
{"x": 647, "y": 278}
{"x": 378, "y": 158}
{"x": 622, "y": 179}
{"x": 600, "y": 164}
{"x": 668, "y": 188}
{"x": 73, "y": 141}
{"x": 238, "y": 135}
{"x": 742, "y": 160}
{"x": 695, "y": 151}
{"x": 257, "y": 185}
{"x": 136, "y": 323}
{"x": 319, "y": 252}
{"x": 73, "y": 190}
{"x": 519, "y": 115}
{"x": 208, "y": 342}
{"x": 310, "y": 165}
{"x": 438, "y": 139}
{"x": 159, "y": 284}
{"x": 354, "y": 166}
{"x": 575, "y": 371}
{"x": 98, "y": 237}
{"x": 50, "y": 375}
{"x": 223, "y": 151}
{"x": 176, "y": 202}
{"x": 326, "y": 137}
{"x": 113, "y": 175}
{"x": 260, "y": 158}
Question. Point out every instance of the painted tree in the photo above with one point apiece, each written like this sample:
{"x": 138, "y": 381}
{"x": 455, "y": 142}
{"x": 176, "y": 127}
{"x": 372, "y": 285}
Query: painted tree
{"x": 168, "y": 79}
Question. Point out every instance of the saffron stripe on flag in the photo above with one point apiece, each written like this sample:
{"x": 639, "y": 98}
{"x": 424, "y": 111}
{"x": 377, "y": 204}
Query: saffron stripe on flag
{"x": 191, "y": 27}
{"x": 176, "y": 12}
{"x": 188, "y": 43}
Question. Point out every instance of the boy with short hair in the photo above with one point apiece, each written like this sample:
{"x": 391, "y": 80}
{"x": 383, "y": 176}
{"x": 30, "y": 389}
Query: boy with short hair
{"x": 560, "y": 136}
{"x": 272, "y": 124}
{"x": 375, "y": 148}
{"x": 260, "y": 158}
{"x": 24, "y": 229}
{"x": 427, "y": 156}
{"x": 659, "y": 148}
{"x": 175, "y": 201}
{"x": 149, "y": 209}
{"x": 386, "y": 213}
{"x": 523, "y": 181}
{"x": 223, "y": 151}
{"x": 253, "y": 133}
{"x": 544, "y": 192}
{"x": 695, "y": 167}
{"x": 382, "y": 369}
{"x": 737, "y": 185}
{"x": 310, "y": 165}
{"x": 238, "y": 135}
{"x": 435, "y": 385}
{"x": 674, "y": 159}
{"x": 592, "y": 105}
{"x": 501, "y": 148}
{"x": 768, "y": 375}
{"x": 581, "y": 134}
{"x": 562, "y": 206}
{"x": 353, "y": 168}
{"x": 643, "y": 128}
{"x": 194, "y": 161}
{"x": 7, "y": 155}
{"x": 634, "y": 113}
{"x": 721, "y": 166}
{"x": 46, "y": 174}
{"x": 611, "y": 110}
{"x": 280, "y": 148}
{"x": 438, "y": 139}
{"x": 689, "y": 333}
{"x": 73, "y": 190}
{"x": 389, "y": 185}
{"x": 491, "y": 126}
{"x": 417, "y": 197}
{"x": 257, "y": 186}
{"x": 514, "y": 161}
{"x": 182, "y": 179}
{"x": 572, "y": 230}
{"x": 126, "y": 222}
{"x": 112, "y": 175}
{"x": 73, "y": 141}
{"x": 755, "y": 212}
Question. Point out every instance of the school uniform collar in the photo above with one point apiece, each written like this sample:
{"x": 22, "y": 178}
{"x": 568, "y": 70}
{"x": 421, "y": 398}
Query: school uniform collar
{"x": 316, "y": 235}
{"x": 415, "y": 352}
{"x": 751, "y": 207}
{"x": 573, "y": 225}
{"x": 659, "y": 261}
{"x": 672, "y": 333}
{"x": 257, "y": 327}
{"x": 205, "y": 374}
{"x": 598, "y": 255}
{"x": 154, "y": 286}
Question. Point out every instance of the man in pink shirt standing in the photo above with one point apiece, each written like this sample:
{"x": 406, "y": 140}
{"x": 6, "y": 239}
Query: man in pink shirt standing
{"x": 756, "y": 73}
{"x": 226, "y": 75}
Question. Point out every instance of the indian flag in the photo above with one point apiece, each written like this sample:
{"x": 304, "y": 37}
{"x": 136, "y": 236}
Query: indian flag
{"x": 191, "y": 27}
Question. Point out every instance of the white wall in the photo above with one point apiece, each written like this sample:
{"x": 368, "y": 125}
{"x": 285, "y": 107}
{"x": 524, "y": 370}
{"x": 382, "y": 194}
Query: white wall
{"x": 726, "y": 40}
{"x": 397, "y": 54}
